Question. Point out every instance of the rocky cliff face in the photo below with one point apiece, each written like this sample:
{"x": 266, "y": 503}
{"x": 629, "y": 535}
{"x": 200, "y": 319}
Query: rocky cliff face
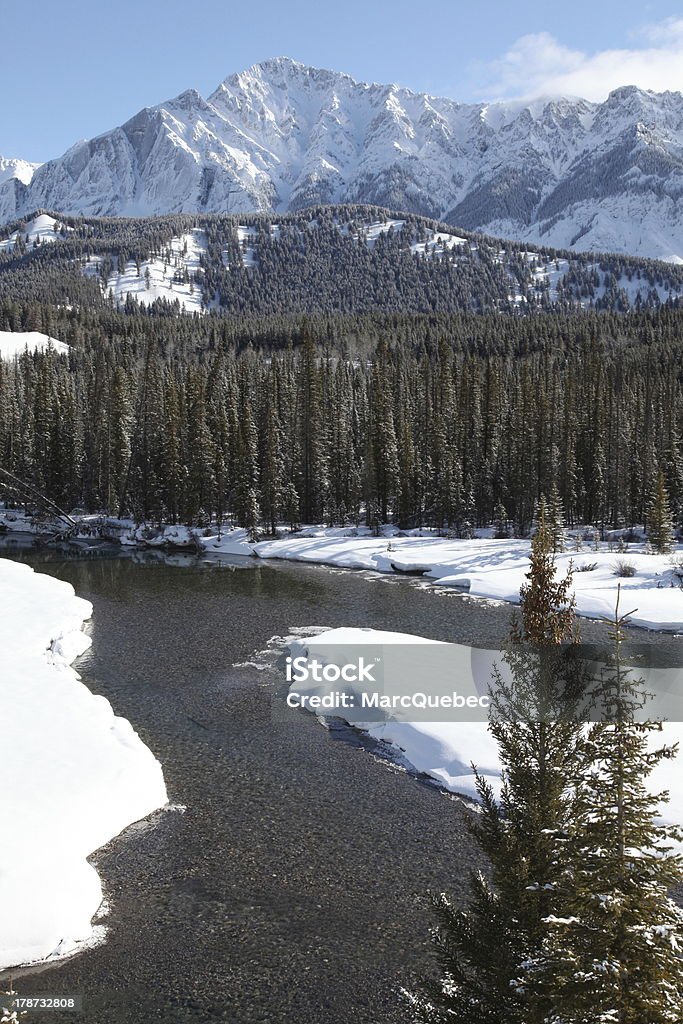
{"x": 282, "y": 136}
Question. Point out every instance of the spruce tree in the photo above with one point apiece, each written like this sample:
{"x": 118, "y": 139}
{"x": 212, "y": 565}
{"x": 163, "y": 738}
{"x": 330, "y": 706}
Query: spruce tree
{"x": 556, "y": 519}
{"x": 660, "y": 530}
{"x": 271, "y": 470}
{"x": 535, "y": 721}
{"x": 501, "y": 523}
{"x": 547, "y": 605}
{"x": 615, "y": 954}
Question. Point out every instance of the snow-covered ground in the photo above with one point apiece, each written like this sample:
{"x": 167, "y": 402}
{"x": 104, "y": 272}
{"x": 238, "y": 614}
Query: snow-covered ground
{"x": 36, "y": 232}
{"x": 247, "y": 239}
{"x": 73, "y": 773}
{"x": 442, "y": 750}
{"x": 209, "y": 541}
{"x": 496, "y": 569}
{"x": 483, "y": 567}
{"x": 437, "y": 242}
{"x": 446, "y": 750}
{"x": 160, "y": 278}
{"x": 14, "y": 343}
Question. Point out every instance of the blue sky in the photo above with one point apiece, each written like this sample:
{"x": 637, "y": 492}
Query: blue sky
{"x": 74, "y": 68}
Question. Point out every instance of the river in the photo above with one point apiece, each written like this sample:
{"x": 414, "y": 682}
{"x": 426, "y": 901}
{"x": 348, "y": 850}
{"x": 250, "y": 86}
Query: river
{"x": 292, "y": 887}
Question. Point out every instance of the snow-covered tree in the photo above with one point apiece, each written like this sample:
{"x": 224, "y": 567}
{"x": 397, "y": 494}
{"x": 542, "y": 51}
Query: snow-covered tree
{"x": 501, "y": 523}
{"x": 534, "y": 719}
{"x": 615, "y": 954}
{"x": 660, "y": 528}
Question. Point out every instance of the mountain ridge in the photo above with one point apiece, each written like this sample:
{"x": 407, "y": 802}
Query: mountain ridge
{"x": 282, "y": 136}
{"x": 349, "y": 259}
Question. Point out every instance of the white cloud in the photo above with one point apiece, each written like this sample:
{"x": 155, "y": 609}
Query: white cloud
{"x": 539, "y": 65}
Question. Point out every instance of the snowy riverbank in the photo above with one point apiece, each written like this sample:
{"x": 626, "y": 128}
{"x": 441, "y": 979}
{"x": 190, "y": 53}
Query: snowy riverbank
{"x": 445, "y": 751}
{"x": 495, "y": 569}
{"x": 651, "y": 585}
{"x": 73, "y": 775}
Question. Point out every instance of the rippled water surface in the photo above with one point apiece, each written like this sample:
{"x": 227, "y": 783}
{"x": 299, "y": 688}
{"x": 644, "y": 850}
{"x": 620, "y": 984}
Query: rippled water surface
{"x": 292, "y": 888}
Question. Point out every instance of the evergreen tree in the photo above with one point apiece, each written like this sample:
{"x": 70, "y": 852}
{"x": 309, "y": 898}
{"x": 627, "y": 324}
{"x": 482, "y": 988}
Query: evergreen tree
{"x": 501, "y": 525}
{"x": 272, "y": 464}
{"x": 660, "y": 530}
{"x": 246, "y": 498}
{"x": 535, "y": 721}
{"x": 615, "y": 956}
{"x": 547, "y": 605}
{"x": 313, "y": 466}
{"x": 556, "y": 521}
{"x": 118, "y": 437}
{"x": 200, "y": 459}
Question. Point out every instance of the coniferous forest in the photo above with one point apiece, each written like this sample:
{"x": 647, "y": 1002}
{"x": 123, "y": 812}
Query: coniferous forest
{"x": 451, "y": 421}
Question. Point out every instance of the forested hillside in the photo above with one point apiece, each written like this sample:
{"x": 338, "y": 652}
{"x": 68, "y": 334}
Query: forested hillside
{"x": 352, "y": 259}
{"x": 445, "y": 420}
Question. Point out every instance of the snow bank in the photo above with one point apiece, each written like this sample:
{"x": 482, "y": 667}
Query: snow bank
{"x": 496, "y": 569}
{"x": 228, "y": 542}
{"x": 208, "y": 541}
{"x": 14, "y": 343}
{"x": 442, "y": 750}
{"x": 446, "y": 750}
{"x": 73, "y": 774}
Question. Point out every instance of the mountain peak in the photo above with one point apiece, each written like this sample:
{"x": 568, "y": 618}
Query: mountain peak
{"x": 624, "y": 92}
{"x": 283, "y": 135}
{"x": 11, "y": 167}
{"x": 285, "y": 70}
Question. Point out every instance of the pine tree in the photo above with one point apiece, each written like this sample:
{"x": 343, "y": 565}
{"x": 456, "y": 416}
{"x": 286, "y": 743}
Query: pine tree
{"x": 556, "y": 519}
{"x": 660, "y": 529}
{"x": 501, "y": 523}
{"x": 174, "y": 467}
{"x": 547, "y": 607}
{"x": 313, "y": 466}
{"x": 383, "y": 448}
{"x": 615, "y": 955}
{"x": 200, "y": 458}
{"x": 271, "y": 469}
{"x": 535, "y": 721}
{"x": 118, "y": 436}
{"x": 246, "y": 496}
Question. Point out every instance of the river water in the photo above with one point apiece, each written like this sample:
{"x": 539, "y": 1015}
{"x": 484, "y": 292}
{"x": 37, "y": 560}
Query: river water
{"x": 292, "y": 887}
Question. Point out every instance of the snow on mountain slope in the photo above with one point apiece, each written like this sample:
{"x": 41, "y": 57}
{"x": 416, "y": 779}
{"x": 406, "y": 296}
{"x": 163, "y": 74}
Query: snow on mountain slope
{"x": 42, "y": 228}
{"x": 281, "y": 136}
{"x": 22, "y": 170}
{"x": 14, "y": 343}
{"x": 167, "y": 276}
{"x": 174, "y": 272}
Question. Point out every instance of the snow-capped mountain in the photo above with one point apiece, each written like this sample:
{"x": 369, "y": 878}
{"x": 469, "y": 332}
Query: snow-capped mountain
{"x": 20, "y": 169}
{"x": 281, "y": 136}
